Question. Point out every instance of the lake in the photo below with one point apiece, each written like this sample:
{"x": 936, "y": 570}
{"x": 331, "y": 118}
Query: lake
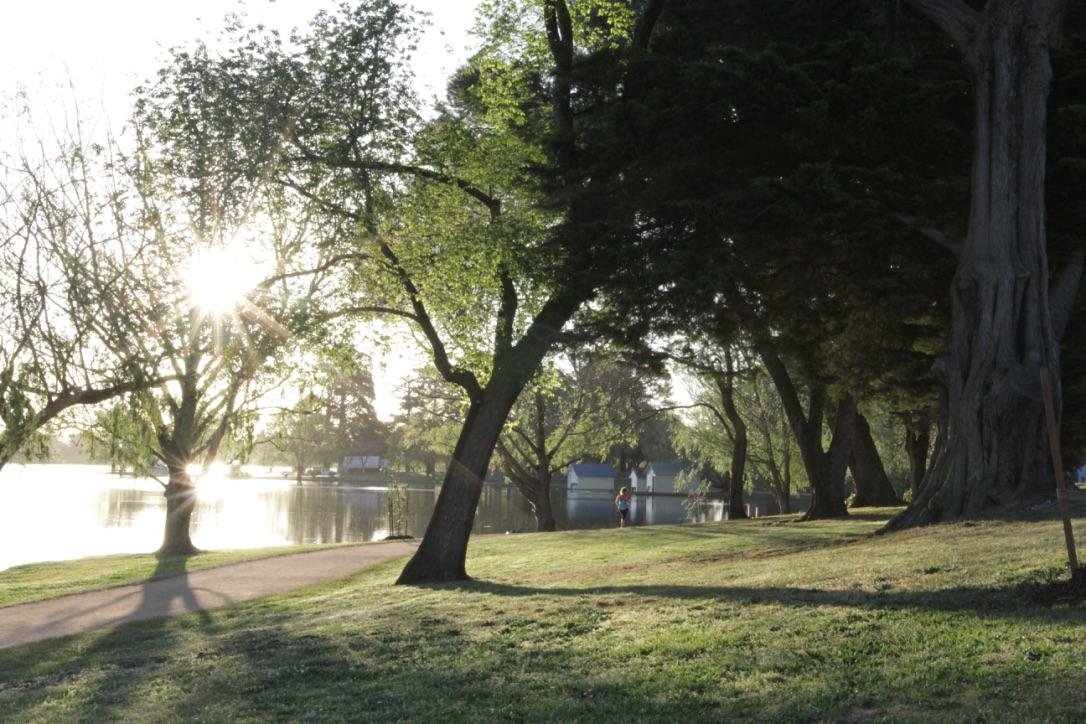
{"x": 61, "y": 512}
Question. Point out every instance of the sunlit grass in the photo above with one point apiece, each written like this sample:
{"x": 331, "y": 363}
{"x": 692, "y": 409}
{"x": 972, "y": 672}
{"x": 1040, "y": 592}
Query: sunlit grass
{"x": 759, "y": 620}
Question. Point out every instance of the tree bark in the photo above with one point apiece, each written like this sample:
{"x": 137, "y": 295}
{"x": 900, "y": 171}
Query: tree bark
{"x": 544, "y": 510}
{"x": 442, "y": 553}
{"x": 873, "y": 487}
{"x": 917, "y": 442}
{"x": 825, "y": 468}
{"x": 726, "y": 387}
{"x": 785, "y": 494}
{"x": 828, "y": 479}
{"x": 180, "y": 500}
{"x": 534, "y": 484}
{"x": 1006, "y": 321}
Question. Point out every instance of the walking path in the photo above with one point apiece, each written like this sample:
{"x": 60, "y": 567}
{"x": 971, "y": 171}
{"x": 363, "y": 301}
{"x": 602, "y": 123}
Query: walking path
{"x": 187, "y": 592}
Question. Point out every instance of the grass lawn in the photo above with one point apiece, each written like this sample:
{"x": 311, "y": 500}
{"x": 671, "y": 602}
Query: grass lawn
{"x": 37, "y": 581}
{"x": 761, "y": 620}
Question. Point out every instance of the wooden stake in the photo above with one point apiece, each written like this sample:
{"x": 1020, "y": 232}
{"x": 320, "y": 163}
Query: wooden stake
{"x": 1057, "y": 466}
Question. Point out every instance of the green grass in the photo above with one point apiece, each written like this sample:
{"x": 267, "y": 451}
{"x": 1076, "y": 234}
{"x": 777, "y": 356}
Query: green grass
{"x": 38, "y": 581}
{"x": 761, "y": 621}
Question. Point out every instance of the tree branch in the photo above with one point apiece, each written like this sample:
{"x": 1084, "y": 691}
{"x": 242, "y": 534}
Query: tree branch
{"x": 954, "y": 17}
{"x": 931, "y": 233}
{"x": 560, "y": 39}
{"x": 492, "y": 203}
{"x": 331, "y": 262}
{"x": 647, "y": 23}
{"x": 375, "y": 309}
{"x": 456, "y": 375}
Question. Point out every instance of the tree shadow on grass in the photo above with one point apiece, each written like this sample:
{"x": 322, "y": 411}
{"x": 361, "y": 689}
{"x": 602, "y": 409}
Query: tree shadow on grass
{"x": 412, "y": 670}
{"x": 1012, "y": 601}
{"x": 124, "y": 653}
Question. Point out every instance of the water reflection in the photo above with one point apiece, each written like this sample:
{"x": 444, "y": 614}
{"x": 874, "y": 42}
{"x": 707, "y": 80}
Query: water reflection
{"x": 58, "y": 512}
{"x": 589, "y": 509}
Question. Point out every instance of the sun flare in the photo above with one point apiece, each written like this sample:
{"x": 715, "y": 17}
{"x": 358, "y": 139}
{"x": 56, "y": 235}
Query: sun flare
{"x": 217, "y": 279}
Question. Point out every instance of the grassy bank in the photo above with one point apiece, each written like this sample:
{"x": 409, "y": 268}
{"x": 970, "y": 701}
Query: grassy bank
{"x": 759, "y": 620}
{"x": 38, "y": 581}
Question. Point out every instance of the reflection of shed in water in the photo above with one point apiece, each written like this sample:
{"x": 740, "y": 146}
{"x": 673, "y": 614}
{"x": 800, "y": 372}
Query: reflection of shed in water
{"x": 592, "y": 508}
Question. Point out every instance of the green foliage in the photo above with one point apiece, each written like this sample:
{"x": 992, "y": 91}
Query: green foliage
{"x": 68, "y": 335}
{"x": 304, "y": 434}
{"x": 772, "y": 461}
{"x": 118, "y": 437}
{"x": 424, "y": 432}
{"x": 584, "y": 412}
{"x": 777, "y": 174}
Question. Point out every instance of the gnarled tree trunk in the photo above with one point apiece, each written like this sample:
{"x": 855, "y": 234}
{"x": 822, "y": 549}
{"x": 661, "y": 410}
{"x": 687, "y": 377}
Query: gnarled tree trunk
{"x": 825, "y": 468}
{"x": 873, "y": 486}
{"x": 180, "y": 500}
{"x": 784, "y": 487}
{"x": 544, "y": 510}
{"x": 828, "y": 479}
{"x": 1006, "y": 322}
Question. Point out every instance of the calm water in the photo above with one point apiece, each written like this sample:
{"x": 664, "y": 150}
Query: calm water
{"x": 59, "y": 512}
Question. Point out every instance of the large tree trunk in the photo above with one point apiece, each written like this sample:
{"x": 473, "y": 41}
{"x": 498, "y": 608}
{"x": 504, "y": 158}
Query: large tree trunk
{"x": 726, "y": 387}
{"x": 786, "y": 479}
{"x": 543, "y": 509}
{"x": 1005, "y": 322}
{"x": 825, "y": 468}
{"x": 442, "y": 553}
{"x": 917, "y": 442}
{"x": 180, "y": 501}
{"x": 873, "y": 486}
{"x": 444, "y": 547}
{"x": 534, "y": 483}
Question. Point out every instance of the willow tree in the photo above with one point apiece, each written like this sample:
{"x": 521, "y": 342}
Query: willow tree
{"x": 228, "y": 282}
{"x": 486, "y": 226}
{"x": 66, "y": 327}
{"x": 215, "y": 312}
{"x": 1007, "y": 318}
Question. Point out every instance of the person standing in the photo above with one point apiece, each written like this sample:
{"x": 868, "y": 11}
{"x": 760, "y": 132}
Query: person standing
{"x": 622, "y": 500}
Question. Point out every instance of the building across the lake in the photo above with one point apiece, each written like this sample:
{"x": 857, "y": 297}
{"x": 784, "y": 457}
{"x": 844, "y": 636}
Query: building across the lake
{"x": 590, "y": 477}
{"x": 357, "y": 464}
{"x": 659, "y": 478}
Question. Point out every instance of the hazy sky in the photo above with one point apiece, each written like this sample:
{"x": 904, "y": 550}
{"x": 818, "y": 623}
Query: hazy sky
{"x": 94, "y": 52}
{"x": 108, "y": 46}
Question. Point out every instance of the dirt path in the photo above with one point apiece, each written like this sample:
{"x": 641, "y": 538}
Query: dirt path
{"x": 187, "y": 592}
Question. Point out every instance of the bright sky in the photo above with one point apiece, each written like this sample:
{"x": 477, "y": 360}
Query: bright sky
{"x": 95, "y": 51}
{"x": 108, "y": 46}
